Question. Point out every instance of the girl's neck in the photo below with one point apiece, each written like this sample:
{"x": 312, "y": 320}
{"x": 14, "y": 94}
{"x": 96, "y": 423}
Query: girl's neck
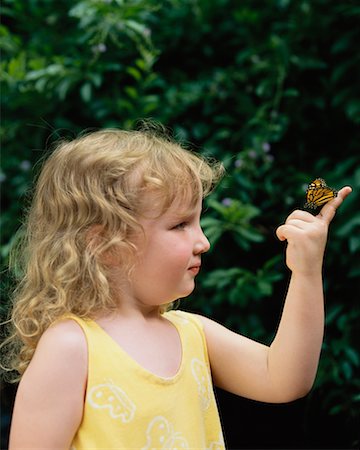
{"x": 133, "y": 311}
{"x": 128, "y": 306}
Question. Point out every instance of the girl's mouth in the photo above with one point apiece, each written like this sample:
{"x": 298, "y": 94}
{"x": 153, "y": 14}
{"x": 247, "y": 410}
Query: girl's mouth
{"x": 195, "y": 269}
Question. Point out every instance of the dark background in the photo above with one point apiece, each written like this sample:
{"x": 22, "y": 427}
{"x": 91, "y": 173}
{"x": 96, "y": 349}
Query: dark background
{"x": 271, "y": 89}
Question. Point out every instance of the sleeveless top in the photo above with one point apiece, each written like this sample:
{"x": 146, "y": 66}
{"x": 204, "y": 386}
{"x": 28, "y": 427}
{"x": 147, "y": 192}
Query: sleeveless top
{"x": 129, "y": 407}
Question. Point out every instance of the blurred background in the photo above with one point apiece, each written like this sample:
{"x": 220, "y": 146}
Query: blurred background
{"x": 271, "y": 88}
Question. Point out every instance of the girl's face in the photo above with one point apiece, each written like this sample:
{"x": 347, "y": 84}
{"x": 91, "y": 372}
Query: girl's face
{"x": 169, "y": 255}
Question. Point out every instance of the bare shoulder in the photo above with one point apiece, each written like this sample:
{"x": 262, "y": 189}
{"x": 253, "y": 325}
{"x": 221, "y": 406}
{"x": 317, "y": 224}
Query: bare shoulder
{"x": 209, "y": 325}
{"x": 64, "y": 341}
{"x": 60, "y": 358}
{"x": 61, "y": 353}
{"x": 50, "y": 397}
{"x": 215, "y": 333}
{"x": 69, "y": 331}
{"x": 66, "y": 333}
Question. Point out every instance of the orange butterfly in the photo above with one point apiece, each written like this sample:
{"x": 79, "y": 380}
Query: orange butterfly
{"x": 318, "y": 193}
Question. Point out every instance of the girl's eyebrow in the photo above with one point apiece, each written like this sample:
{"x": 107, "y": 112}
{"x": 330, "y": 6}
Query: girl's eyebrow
{"x": 185, "y": 213}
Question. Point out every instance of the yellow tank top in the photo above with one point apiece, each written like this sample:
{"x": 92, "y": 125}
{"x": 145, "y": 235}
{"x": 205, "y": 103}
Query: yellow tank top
{"x": 128, "y": 407}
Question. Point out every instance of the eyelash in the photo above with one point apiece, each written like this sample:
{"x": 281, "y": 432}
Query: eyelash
{"x": 180, "y": 226}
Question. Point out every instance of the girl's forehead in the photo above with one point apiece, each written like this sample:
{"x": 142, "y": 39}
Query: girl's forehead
{"x": 154, "y": 206}
{"x": 179, "y": 209}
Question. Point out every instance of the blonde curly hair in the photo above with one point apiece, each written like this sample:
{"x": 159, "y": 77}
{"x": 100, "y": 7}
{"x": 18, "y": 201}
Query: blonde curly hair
{"x": 98, "y": 178}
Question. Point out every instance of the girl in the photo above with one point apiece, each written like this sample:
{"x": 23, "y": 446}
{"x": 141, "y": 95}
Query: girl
{"x": 113, "y": 237}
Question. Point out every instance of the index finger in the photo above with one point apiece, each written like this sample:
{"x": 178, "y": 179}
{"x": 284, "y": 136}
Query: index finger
{"x": 328, "y": 211}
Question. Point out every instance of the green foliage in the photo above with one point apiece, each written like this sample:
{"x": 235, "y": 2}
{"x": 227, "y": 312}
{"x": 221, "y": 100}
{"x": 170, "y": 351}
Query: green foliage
{"x": 270, "y": 88}
{"x": 235, "y": 218}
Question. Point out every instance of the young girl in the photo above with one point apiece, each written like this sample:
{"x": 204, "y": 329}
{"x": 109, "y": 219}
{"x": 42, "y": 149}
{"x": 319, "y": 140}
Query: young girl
{"x": 113, "y": 237}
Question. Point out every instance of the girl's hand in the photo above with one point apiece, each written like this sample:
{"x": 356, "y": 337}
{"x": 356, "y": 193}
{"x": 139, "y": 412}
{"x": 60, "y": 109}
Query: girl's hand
{"x": 306, "y": 236}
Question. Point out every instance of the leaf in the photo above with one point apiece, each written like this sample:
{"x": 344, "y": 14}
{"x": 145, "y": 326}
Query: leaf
{"x": 347, "y": 370}
{"x": 85, "y": 92}
{"x": 249, "y": 234}
{"x": 136, "y": 74}
{"x": 131, "y": 92}
{"x": 349, "y": 226}
{"x": 353, "y": 356}
{"x": 333, "y": 313}
{"x": 62, "y": 89}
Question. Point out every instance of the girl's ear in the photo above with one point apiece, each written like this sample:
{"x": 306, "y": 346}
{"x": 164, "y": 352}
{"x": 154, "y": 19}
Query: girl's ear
{"x": 97, "y": 242}
{"x": 95, "y": 236}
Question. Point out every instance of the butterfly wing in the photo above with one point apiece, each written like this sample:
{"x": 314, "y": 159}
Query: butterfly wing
{"x": 317, "y": 183}
{"x": 318, "y": 193}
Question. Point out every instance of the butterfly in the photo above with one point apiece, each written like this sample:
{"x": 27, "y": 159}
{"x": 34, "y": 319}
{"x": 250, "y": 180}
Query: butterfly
{"x": 318, "y": 193}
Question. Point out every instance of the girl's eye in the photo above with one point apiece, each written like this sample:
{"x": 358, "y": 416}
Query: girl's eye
{"x": 180, "y": 226}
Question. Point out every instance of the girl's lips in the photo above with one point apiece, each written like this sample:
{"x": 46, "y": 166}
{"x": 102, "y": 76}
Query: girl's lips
{"x": 195, "y": 269}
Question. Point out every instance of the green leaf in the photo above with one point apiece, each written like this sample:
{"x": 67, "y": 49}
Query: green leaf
{"x": 86, "y": 92}
{"x": 136, "y": 74}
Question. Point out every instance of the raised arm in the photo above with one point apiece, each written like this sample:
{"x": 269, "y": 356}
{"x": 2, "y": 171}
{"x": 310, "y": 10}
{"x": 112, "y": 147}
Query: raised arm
{"x": 286, "y": 370}
{"x": 49, "y": 401}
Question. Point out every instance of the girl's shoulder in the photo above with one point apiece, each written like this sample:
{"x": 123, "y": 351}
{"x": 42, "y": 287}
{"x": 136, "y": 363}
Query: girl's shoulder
{"x": 52, "y": 388}
{"x": 186, "y": 317}
{"x": 66, "y": 340}
{"x": 62, "y": 355}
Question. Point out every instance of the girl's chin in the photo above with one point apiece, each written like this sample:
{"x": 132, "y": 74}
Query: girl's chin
{"x": 182, "y": 295}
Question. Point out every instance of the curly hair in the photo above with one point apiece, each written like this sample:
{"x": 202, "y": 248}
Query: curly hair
{"x": 99, "y": 178}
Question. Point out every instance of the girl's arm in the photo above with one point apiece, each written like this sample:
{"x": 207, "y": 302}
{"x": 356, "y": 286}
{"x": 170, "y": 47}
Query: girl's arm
{"x": 286, "y": 370}
{"x": 49, "y": 401}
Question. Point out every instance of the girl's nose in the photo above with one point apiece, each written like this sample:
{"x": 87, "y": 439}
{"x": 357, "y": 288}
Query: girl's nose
{"x": 202, "y": 244}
